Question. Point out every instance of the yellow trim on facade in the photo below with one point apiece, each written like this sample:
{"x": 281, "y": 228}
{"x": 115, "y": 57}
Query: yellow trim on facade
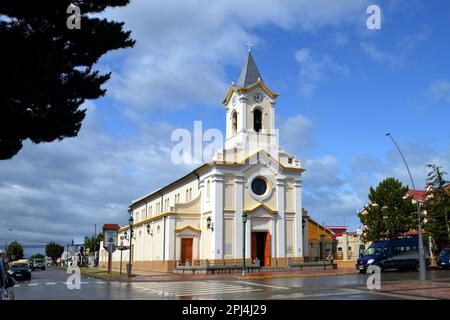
{"x": 261, "y": 205}
{"x": 188, "y": 227}
{"x": 159, "y": 216}
{"x": 232, "y": 89}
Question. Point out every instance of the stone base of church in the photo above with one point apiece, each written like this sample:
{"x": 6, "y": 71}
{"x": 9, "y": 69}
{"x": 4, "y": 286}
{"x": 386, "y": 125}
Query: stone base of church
{"x": 169, "y": 265}
{"x": 157, "y": 266}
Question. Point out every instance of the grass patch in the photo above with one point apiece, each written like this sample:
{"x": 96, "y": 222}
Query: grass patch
{"x": 101, "y": 274}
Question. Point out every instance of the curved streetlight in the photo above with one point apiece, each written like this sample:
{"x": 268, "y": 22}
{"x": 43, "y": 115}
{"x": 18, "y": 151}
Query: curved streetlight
{"x": 422, "y": 264}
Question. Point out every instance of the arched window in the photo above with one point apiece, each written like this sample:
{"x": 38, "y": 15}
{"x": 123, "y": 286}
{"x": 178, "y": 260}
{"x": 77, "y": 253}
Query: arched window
{"x": 190, "y": 194}
{"x": 187, "y": 195}
{"x": 257, "y": 120}
{"x": 234, "y": 122}
{"x": 208, "y": 191}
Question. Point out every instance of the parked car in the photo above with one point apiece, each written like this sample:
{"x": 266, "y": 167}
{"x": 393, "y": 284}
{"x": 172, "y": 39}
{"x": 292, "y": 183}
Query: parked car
{"x": 20, "y": 270}
{"x": 6, "y": 284}
{"x": 444, "y": 259}
{"x": 38, "y": 264}
{"x": 400, "y": 254}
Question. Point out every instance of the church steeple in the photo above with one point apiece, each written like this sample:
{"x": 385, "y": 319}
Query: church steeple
{"x": 250, "y": 73}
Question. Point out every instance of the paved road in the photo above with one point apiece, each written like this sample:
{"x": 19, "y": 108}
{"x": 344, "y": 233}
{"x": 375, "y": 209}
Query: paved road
{"x": 52, "y": 284}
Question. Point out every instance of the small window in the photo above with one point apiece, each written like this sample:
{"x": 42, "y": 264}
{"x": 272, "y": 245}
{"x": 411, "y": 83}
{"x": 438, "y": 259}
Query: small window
{"x": 290, "y": 160}
{"x": 257, "y": 120}
{"x": 234, "y": 122}
{"x": 208, "y": 191}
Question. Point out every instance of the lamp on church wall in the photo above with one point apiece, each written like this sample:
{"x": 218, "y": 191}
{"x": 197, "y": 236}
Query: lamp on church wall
{"x": 209, "y": 223}
{"x": 149, "y": 230}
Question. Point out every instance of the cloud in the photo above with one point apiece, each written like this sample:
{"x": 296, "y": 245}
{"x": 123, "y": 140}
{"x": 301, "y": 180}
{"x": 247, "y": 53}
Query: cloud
{"x": 403, "y": 47}
{"x": 440, "y": 90}
{"x": 57, "y": 191}
{"x": 316, "y": 69}
{"x": 380, "y": 56}
{"x": 183, "y": 48}
{"x": 296, "y": 134}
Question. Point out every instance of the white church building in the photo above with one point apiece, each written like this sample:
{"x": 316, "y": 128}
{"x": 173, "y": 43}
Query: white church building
{"x": 200, "y": 216}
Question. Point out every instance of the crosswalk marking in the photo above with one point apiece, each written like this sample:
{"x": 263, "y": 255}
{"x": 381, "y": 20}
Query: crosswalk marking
{"x": 193, "y": 288}
{"x": 263, "y": 285}
{"x": 50, "y": 283}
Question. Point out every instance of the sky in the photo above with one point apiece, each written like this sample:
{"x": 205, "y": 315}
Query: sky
{"x": 341, "y": 85}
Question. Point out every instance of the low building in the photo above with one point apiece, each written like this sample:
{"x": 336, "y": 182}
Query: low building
{"x": 318, "y": 239}
{"x": 349, "y": 244}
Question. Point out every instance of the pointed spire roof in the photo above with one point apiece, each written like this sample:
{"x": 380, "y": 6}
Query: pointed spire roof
{"x": 250, "y": 73}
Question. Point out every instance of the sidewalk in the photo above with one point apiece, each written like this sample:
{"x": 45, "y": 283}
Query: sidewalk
{"x": 434, "y": 289}
{"x": 148, "y": 276}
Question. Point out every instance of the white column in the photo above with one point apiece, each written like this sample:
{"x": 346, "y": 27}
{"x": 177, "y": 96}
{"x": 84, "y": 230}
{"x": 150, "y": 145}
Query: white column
{"x": 239, "y": 202}
{"x": 345, "y": 246}
{"x": 298, "y": 218}
{"x": 202, "y": 209}
{"x": 272, "y": 116}
{"x": 242, "y": 115}
{"x": 217, "y": 215}
{"x": 170, "y": 238}
{"x": 281, "y": 222}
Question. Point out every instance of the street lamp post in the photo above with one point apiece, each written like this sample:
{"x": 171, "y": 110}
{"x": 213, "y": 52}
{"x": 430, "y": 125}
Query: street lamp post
{"x": 244, "y": 222}
{"x": 130, "y": 222}
{"x": 121, "y": 252}
{"x": 422, "y": 264}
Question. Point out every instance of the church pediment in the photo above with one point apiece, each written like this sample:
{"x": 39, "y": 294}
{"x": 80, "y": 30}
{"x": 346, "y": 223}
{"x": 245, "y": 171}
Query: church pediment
{"x": 260, "y": 209}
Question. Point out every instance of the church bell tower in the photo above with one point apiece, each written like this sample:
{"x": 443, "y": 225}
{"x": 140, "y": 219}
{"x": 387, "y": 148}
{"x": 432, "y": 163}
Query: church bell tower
{"x": 250, "y": 112}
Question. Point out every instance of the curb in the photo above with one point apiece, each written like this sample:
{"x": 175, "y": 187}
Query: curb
{"x": 297, "y": 275}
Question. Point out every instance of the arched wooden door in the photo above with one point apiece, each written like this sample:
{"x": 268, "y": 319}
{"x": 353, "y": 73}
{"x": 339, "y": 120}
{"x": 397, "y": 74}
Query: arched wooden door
{"x": 186, "y": 250}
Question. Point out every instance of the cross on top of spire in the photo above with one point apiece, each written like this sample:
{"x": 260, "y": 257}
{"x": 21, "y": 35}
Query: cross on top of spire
{"x": 250, "y": 45}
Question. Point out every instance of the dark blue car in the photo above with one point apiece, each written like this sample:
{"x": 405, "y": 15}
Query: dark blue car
{"x": 400, "y": 254}
{"x": 444, "y": 259}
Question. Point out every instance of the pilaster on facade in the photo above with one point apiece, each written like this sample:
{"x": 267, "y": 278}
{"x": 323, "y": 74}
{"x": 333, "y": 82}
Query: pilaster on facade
{"x": 239, "y": 207}
{"x": 170, "y": 238}
{"x": 281, "y": 220}
{"x": 242, "y": 114}
{"x": 272, "y": 116}
{"x": 217, "y": 215}
{"x": 298, "y": 218}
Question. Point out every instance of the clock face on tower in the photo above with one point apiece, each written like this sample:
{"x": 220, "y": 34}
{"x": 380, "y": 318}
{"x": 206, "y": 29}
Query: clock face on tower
{"x": 258, "y": 97}
{"x": 234, "y": 101}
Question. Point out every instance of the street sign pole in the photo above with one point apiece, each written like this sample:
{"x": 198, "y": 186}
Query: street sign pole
{"x": 110, "y": 232}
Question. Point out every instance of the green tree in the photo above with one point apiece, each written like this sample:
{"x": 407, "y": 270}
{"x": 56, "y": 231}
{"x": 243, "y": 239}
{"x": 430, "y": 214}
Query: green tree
{"x": 389, "y": 214}
{"x": 14, "y": 251}
{"x": 438, "y": 207}
{"x": 93, "y": 244}
{"x": 54, "y": 250}
{"x": 37, "y": 256}
{"x": 47, "y": 68}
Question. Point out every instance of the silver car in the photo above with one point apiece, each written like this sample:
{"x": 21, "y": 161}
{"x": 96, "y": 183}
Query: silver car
{"x": 6, "y": 284}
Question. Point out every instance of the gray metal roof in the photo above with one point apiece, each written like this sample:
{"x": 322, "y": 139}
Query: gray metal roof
{"x": 249, "y": 74}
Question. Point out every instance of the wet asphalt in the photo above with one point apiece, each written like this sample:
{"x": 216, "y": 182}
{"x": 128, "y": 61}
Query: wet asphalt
{"x": 51, "y": 284}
